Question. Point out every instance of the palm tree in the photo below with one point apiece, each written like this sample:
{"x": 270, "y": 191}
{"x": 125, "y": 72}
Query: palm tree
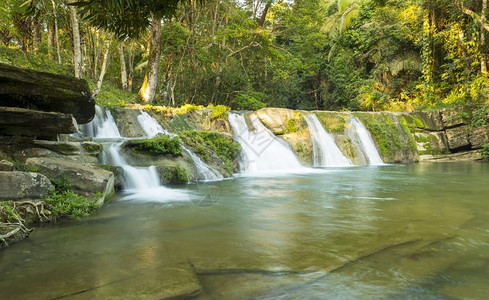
{"x": 338, "y": 22}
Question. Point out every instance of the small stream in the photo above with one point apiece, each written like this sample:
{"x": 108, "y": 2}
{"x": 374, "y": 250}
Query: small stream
{"x": 397, "y": 232}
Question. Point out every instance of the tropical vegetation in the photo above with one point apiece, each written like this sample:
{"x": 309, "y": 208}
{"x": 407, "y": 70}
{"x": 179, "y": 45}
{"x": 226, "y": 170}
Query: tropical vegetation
{"x": 302, "y": 54}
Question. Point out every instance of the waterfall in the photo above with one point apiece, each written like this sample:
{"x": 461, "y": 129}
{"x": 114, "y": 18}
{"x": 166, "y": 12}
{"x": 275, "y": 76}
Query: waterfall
{"x": 141, "y": 183}
{"x": 326, "y": 152}
{"x": 152, "y": 128}
{"x": 149, "y": 125}
{"x": 361, "y": 137}
{"x": 261, "y": 149}
{"x": 102, "y": 125}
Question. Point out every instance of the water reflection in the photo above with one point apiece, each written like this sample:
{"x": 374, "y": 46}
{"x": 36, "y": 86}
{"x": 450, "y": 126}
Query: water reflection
{"x": 408, "y": 231}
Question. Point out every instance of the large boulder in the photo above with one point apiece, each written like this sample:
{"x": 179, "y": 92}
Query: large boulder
{"x": 275, "y": 119}
{"x": 84, "y": 179}
{"x": 45, "y": 91}
{"x": 23, "y": 186}
{"x": 455, "y": 116}
{"x": 479, "y": 136}
{"x": 458, "y": 137}
{"x": 16, "y": 121}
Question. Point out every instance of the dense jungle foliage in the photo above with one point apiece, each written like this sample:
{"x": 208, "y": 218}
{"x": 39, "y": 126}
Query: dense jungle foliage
{"x": 303, "y": 54}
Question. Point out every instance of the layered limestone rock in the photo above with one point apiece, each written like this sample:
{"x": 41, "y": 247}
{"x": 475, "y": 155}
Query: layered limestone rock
{"x": 32, "y": 123}
{"x": 18, "y": 186}
{"x": 46, "y": 92}
{"x": 84, "y": 179}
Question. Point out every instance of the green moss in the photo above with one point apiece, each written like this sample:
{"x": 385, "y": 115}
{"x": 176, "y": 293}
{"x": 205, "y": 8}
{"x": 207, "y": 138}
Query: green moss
{"x": 408, "y": 130}
{"x": 206, "y": 143}
{"x": 92, "y": 148}
{"x": 485, "y": 152}
{"x": 332, "y": 122}
{"x": 385, "y": 132}
{"x": 176, "y": 175}
{"x": 160, "y": 145}
{"x": 179, "y": 123}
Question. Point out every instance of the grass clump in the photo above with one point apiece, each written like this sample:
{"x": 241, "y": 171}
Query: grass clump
{"x": 21, "y": 166}
{"x": 160, "y": 145}
{"x": 67, "y": 204}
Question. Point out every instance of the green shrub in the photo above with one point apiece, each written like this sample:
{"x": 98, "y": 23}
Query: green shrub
{"x": 68, "y": 204}
{"x": 160, "y": 145}
{"x": 248, "y": 101}
{"x": 219, "y": 111}
{"x": 92, "y": 148}
{"x": 176, "y": 175}
{"x": 485, "y": 152}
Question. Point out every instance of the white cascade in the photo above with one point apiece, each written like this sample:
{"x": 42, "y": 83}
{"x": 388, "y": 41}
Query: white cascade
{"x": 361, "y": 137}
{"x": 326, "y": 152}
{"x": 142, "y": 183}
{"x": 102, "y": 125}
{"x": 152, "y": 128}
{"x": 261, "y": 149}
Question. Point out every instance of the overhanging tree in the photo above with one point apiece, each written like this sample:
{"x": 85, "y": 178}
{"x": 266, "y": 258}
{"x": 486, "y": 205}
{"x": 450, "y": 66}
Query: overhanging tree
{"x": 130, "y": 19}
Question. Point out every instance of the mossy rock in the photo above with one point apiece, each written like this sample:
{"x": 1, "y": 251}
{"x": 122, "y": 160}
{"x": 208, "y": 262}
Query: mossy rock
{"x": 348, "y": 149}
{"x": 219, "y": 150}
{"x": 391, "y": 135}
{"x": 175, "y": 175}
{"x": 333, "y": 122}
{"x": 160, "y": 145}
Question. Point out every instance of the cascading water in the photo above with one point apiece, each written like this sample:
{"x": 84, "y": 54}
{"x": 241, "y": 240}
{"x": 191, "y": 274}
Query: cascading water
{"x": 152, "y": 128}
{"x": 361, "y": 137}
{"x": 102, "y": 125}
{"x": 261, "y": 149}
{"x": 326, "y": 152}
{"x": 140, "y": 183}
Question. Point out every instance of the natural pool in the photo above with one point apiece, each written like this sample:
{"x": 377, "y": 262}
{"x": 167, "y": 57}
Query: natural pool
{"x": 402, "y": 231}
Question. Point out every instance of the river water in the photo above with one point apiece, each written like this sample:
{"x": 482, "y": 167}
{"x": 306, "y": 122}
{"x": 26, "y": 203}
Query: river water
{"x": 402, "y": 231}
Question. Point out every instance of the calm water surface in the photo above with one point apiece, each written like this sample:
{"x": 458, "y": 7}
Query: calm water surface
{"x": 404, "y": 231}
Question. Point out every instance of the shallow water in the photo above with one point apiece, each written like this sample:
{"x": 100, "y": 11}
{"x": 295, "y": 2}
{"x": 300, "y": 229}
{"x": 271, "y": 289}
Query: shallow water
{"x": 403, "y": 231}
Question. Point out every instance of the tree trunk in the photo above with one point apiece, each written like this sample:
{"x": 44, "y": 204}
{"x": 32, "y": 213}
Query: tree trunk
{"x": 50, "y": 40}
{"x": 264, "y": 14}
{"x": 56, "y": 35}
{"x": 123, "y": 67}
{"x": 97, "y": 89}
{"x": 77, "y": 56}
{"x": 95, "y": 54}
{"x": 130, "y": 62}
{"x": 36, "y": 30}
{"x": 148, "y": 89}
{"x": 483, "y": 40}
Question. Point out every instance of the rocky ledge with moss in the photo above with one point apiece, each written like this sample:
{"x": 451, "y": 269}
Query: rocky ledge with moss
{"x": 43, "y": 179}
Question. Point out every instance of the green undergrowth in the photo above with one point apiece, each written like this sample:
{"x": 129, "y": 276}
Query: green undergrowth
{"x": 205, "y": 143}
{"x": 160, "y": 145}
{"x": 485, "y": 152}
{"x": 68, "y": 204}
